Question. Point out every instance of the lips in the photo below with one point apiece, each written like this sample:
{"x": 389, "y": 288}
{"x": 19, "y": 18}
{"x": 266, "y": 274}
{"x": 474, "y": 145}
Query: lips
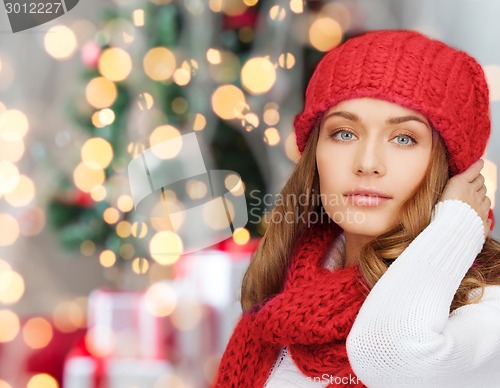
{"x": 367, "y": 197}
{"x": 368, "y": 192}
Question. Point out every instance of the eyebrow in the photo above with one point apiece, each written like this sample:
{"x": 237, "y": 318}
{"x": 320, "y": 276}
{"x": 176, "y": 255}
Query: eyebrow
{"x": 389, "y": 121}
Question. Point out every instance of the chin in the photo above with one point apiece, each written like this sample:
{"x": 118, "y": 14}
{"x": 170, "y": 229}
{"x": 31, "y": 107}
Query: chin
{"x": 368, "y": 228}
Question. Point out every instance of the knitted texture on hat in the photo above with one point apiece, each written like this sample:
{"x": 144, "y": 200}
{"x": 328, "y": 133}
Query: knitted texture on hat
{"x": 444, "y": 84}
{"x": 312, "y": 316}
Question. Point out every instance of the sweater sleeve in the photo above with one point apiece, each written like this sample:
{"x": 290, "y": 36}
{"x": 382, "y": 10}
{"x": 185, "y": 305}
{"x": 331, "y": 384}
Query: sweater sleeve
{"x": 404, "y": 335}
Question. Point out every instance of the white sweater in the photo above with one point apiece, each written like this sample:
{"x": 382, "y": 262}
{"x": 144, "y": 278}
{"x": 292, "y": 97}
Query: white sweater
{"x": 404, "y": 335}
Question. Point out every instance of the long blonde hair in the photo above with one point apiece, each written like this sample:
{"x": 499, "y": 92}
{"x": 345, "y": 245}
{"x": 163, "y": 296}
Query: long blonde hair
{"x": 265, "y": 274}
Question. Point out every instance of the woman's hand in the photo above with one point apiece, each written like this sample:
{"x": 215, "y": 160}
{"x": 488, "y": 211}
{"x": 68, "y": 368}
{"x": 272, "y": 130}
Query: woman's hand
{"x": 469, "y": 187}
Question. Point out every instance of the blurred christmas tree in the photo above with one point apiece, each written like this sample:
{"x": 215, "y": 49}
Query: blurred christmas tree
{"x": 157, "y": 69}
{"x": 85, "y": 211}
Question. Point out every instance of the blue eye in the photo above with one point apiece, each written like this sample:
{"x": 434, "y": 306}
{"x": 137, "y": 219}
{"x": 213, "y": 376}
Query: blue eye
{"x": 344, "y": 135}
{"x": 405, "y": 140}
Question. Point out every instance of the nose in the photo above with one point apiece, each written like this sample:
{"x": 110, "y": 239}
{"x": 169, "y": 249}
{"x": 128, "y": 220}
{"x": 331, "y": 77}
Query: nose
{"x": 369, "y": 159}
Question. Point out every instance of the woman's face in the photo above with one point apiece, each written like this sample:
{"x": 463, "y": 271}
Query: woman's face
{"x": 368, "y": 145}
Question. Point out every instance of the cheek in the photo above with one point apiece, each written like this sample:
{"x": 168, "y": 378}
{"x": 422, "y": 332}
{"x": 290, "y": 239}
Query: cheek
{"x": 332, "y": 170}
{"x": 331, "y": 182}
{"x": 410, "y": 175}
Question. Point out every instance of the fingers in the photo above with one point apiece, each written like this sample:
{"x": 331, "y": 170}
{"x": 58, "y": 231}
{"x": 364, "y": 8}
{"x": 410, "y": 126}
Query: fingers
{"x": 473, "y": 171}
{"x": 482, "y": 191}
{"x": 478, "y": 182}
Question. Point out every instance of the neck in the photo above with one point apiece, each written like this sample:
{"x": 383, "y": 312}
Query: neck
{"x": 353, "y": 245}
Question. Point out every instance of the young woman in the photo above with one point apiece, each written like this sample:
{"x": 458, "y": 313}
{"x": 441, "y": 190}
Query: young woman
{"x": 387, "y": 276}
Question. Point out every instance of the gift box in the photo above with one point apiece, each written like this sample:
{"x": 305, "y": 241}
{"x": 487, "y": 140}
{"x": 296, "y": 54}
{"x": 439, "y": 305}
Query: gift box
{"x": 126, "y": 344}
{"x": 89, "y": 372}
{"x": 208, "y": 286}
{"x": 121, "y": 326}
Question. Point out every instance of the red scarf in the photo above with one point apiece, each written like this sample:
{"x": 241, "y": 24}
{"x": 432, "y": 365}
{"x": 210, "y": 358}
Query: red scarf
{"x": 312, "y": 316}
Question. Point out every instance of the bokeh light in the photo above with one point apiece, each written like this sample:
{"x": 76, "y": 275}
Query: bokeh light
{"x": 286, "y": 60}
{"x": 111, "y": 215}
{"x": 228, "y": 102}
{"x": 13, "y": 125}
{"x": 97, "y": 153}
{"x": 159, "y": 63}
{"x": 4, "y": 266}
{"x": 338, "y": 11}
{"x": 4, "y": 384}
{"x": 297, "y": 6}
{"x": 87, "y": 178}
{"x": 42, "y": 380}
{"x": 60, "y": 42}
{"x": 101, "y": 92}
{"x": 68, "y": 316}
{"x": 125, "y": 203}
{"x": 258, "y": 75}
{"x": 182, "y": 76}
{"x": 87, "y": 248}
{"x": 179, "y": 105}
{"x": 96, "y": 120}
{"x": 11, "y": 151}
{"x": 37, "y": 332}
{"x": 166, "y": 247}
{"x": 107, "y": 258}
{"x": 168, "y": 205}
{"x": 170, "y": 380}
{"x": 251, "y": 119}
{"x": 199, "y": 122}
{"x": 11, "y": 287}
{"x": 32, "y": 221}
{"x": 127, "y": 251}
{"x": 196, "y": 189}
{"x": 9, "y": 177}
{"x": 160, "y": 299}
{"x": 138, "y": 17}
{"x": 234, "y": 185}
{"x": 229, "y": 7}
{"x": 214, "y": 56}
{"x": 246, "y": 34}
{"x": 271, "y": 136}
{"x": 123, "y": 229}
{"x": 104, "y": 348}
{"x": 145, "y": 101}
{"x": 241, "y": 236}
{"x": 106, "y": 116}
{"x": 9, "y": 325}
{"x": 271, "y": 116}
{"x": 84, "y": 30}
{"x": 162, "y": 134}
{"x": 277, "y": 13}
{"x": 139, "y": 229}
{"x": 23, "y": 193}
{"x": 115, "y": 64}
{"x": 140, "y": 265}
{"x": 9, "y": 230}
{"x": 214, "y": 218}
{"x": 291, "y": 150}
{"x": 325, "y": 33}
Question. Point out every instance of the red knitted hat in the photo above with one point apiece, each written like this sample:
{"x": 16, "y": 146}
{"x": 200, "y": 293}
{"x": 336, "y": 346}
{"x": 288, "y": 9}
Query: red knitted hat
{"x": 444, "y": 84}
